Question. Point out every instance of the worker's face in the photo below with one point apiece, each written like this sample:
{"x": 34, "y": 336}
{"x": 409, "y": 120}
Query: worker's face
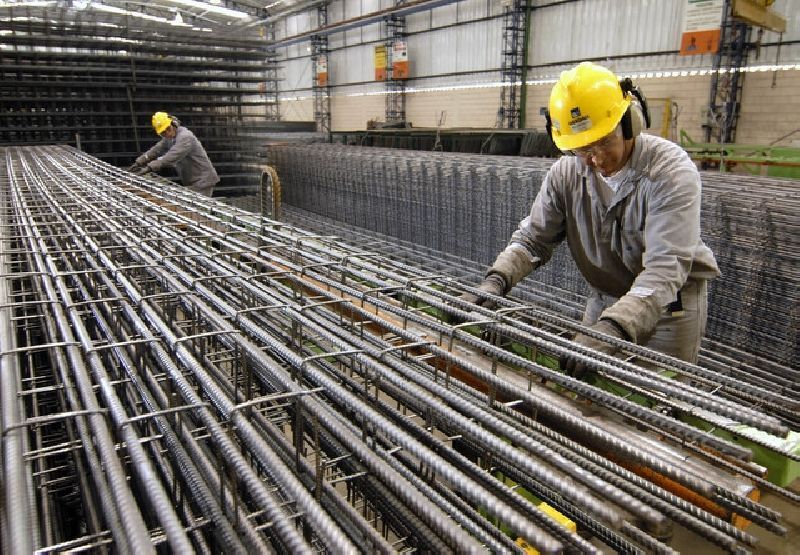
{"x": 169, "y": 132}
{"x": 608, "y": 155}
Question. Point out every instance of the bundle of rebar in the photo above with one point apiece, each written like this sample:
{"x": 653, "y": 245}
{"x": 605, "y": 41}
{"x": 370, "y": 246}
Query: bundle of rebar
{"x": 93, "y": 78}
{"x": 177, "y": 373}
{"x": 740, "y": 369}
{"x": 468, "y": 206}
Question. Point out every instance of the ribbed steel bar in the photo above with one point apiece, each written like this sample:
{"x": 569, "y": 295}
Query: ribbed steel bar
{"x": 412, "y": 397}
{"x": 324, "y": 394}
{"x": 283, "y": 523}
{"x": 723, "y": 378}
{"x": 18, "y": 528}
{"x": 407, "y": 252}
{"x": 145, "y": 472}
{"x": 759, "y": 418}
{"x": 439, "y": 330}
{"x": 343, "y": 397}
{"x": 447, "y": 410}
{"x": 136, "y": 534}
{"x": 523, "y": 526}
{"x": 468, "y": 205}
{"x": 283, "y": 378}
{"x": 378, "y": 372}
{"x": 566, "y": 381}
{"x": 51, "y": 375}
{"x": 681, "y": 511}
{"x": 176, "y": 446}
{"x": 422, "y": 508}
{"x": 728, "y": 375}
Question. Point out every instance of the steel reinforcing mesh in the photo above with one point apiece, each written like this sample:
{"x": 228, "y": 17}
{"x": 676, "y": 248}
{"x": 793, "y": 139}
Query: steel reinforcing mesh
{"x": 468, "y": 206}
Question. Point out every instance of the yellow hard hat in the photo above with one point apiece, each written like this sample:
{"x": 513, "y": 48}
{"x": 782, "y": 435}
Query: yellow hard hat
{"x": 161, "y": 121}
{"x": 586, "y": 104}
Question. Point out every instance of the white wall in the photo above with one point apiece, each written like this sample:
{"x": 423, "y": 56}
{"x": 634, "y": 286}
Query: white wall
{"x": 456, "y": 69}
{"x": 462, "y": 108}
{"x": 769, "y": 113}
{"x": 348, "y": 113}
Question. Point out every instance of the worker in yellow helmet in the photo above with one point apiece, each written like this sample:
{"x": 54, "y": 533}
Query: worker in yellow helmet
{"x": 179, "y": 148}
{"x": 628, "y": 204}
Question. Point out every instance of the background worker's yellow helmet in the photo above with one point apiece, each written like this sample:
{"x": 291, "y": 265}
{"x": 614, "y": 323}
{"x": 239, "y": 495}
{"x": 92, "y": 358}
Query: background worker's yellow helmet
{"x": 586, "y": 104}
{"x": 161, "y": 121}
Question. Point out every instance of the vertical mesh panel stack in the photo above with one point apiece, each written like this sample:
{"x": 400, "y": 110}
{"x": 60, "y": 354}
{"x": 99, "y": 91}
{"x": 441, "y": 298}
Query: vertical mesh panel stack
{"x": 463, "y": 204}
{"x": 93, "y": 79}
{"x": 468, "y": 205}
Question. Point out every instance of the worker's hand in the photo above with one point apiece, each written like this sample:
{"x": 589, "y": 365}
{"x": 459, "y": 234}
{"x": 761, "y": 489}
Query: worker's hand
{"x": 142, "y": 160}
{"x": 576, "y": 368}
{"x": 143, "y": 170}
{"x": 493, "y": 284}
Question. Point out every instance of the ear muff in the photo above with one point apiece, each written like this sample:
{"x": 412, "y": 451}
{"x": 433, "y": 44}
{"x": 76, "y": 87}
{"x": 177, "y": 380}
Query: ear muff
{"x": 636, "y": 117}
{"x": 638, "y": 123}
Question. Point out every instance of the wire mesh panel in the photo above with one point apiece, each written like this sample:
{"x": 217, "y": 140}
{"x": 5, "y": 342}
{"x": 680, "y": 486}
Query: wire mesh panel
{"x": 215, "y": 380}
{"x": 93, "y": 77}
{"x": 470, "y": 205}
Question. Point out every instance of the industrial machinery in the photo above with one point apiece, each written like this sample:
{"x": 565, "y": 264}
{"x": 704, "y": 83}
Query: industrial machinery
{"x": 180, "y": 374}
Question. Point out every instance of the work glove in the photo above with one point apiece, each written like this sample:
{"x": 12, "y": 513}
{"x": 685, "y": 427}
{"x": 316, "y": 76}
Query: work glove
{"x": 493, "y": 284}
{"x": 142, "y": 160}
{"x": 143, "y": 170}
{"x": 133, "y": 167}
{"x": 577, "y": 369}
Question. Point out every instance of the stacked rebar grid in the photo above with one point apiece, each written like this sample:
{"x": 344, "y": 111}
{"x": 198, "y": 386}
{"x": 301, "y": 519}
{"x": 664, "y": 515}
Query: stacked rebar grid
{"x": 93, "y": 77}
{"x": 750, "y": 378}
{"x": 180, "y": 374}
{"x": 468, "y": 206}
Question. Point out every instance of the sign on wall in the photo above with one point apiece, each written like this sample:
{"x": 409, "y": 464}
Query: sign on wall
{"x": 322, "y": 70}
{"x": 380, "y": 63}
{"x": 701, "y": 27}
{"x": 400, "y": 60}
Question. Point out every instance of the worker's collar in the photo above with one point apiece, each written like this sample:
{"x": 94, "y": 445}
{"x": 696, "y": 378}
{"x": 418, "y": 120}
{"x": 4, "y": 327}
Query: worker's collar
{"x": 615, "y": 181}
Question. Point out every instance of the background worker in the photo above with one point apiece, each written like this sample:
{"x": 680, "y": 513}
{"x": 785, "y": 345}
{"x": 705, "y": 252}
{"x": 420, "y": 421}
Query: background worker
{"x": 179, "y": 148}
{"x": 628, "y": 205}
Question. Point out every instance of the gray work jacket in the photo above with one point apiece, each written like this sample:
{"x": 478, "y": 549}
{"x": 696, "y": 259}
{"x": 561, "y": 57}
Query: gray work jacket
{"x": 187, "y": 155}
{"x": 642, "y": 247}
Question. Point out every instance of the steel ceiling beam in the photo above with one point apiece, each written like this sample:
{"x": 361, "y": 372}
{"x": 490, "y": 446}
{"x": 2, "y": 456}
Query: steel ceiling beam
{"x": 368, "y": 19}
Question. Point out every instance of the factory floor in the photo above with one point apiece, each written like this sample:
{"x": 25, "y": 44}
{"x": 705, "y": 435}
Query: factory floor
{"x": 768, "y": 543}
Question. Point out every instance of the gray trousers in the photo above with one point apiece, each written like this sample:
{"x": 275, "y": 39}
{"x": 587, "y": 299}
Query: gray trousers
{"x": 204, "y": 189}
{"x": 677, "y": 335}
